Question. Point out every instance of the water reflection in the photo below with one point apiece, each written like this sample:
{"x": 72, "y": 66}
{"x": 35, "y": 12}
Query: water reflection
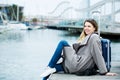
{"x": 24, "y": 54}
{"x": 11, "y": 36}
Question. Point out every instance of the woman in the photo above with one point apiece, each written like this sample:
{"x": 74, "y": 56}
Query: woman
{"x": 87, "y": 53}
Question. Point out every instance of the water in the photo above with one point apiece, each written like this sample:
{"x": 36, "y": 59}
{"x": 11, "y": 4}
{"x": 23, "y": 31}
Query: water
{"x": 24, "y": 54}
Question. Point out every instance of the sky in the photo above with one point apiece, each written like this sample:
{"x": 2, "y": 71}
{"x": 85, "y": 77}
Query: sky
{"x": 35, "y": 7}
{"x": 44, "y": 7}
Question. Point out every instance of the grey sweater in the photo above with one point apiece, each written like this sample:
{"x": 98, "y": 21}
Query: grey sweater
{"x": 89, "y": 54}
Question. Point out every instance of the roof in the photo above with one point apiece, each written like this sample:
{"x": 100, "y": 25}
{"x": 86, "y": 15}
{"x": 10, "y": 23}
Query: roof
{"x": 4, "y": 5}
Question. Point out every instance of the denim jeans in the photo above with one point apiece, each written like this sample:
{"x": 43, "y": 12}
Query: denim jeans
{"x": 56, "y": 56}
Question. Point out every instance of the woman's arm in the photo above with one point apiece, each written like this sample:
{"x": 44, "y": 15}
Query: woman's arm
{"x": 97, "y": 54}
{"x": 98, "y": 58}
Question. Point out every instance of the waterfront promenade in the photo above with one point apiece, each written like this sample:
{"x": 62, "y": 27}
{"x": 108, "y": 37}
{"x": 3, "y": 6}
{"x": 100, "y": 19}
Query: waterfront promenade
{"x": 107, "y": 32}
{"x": 115, "y": 68}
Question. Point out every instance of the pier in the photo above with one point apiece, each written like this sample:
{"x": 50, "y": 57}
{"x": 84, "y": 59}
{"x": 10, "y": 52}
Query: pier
{"x": 115, "y": 68}
{"x": 106, "y": 32}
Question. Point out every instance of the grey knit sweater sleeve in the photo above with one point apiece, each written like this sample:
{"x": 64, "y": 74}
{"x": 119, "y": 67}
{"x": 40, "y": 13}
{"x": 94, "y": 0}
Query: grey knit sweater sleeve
{"x": 97, "y": 55}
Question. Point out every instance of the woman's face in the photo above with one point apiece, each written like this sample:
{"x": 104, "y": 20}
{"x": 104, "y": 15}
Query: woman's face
{"x": 88, "y": 28}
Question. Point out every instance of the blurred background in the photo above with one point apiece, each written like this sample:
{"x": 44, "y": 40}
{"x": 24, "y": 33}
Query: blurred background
{"x": 31, "y": 29}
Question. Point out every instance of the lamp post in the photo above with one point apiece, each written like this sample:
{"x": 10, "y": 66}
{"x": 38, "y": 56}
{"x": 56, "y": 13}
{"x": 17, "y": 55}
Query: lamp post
{"x": 18, "y": 13}
{"x": 97, "y": 15}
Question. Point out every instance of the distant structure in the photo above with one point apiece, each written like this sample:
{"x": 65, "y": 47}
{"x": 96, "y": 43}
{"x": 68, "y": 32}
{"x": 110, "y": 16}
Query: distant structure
{"x": 106, "y": 13}
{"x": 109, "y": 11}
{"x": 13, "y": 12}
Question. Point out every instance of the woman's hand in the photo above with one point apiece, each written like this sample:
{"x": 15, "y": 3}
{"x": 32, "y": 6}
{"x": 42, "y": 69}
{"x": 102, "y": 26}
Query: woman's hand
{"x": 111, "y": 74}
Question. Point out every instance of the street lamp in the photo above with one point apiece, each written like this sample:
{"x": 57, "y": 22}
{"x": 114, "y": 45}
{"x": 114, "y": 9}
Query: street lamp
{"x": 97, "y": 15}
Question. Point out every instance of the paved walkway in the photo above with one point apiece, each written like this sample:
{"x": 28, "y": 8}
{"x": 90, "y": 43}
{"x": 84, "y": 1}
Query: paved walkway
{"x": 115, "y": 68}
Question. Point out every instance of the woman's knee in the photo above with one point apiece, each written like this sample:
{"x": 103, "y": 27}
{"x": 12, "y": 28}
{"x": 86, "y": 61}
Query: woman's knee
{"x": 64, "y": 42}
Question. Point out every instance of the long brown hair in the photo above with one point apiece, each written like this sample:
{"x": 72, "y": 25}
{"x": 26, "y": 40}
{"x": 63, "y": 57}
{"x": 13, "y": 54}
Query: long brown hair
{"x": 95, "y": 25}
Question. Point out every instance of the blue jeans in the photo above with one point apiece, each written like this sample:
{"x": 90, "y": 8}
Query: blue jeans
{"x": 56, "y": 56}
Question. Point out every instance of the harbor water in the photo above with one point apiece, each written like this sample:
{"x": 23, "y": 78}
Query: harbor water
{"x": 24, "y": 54}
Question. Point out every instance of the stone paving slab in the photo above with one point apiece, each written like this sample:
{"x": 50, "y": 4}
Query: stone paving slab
{"x": 115, "y": 68}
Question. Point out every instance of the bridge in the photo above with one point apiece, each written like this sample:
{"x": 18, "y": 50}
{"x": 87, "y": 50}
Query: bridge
{"x": 99, "y": 6}
{"x": 106, "y": 20}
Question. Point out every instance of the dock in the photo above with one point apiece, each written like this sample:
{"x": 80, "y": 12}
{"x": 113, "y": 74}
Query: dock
{"x": 115, "y": 68}
{"x": 107, "y": 32}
